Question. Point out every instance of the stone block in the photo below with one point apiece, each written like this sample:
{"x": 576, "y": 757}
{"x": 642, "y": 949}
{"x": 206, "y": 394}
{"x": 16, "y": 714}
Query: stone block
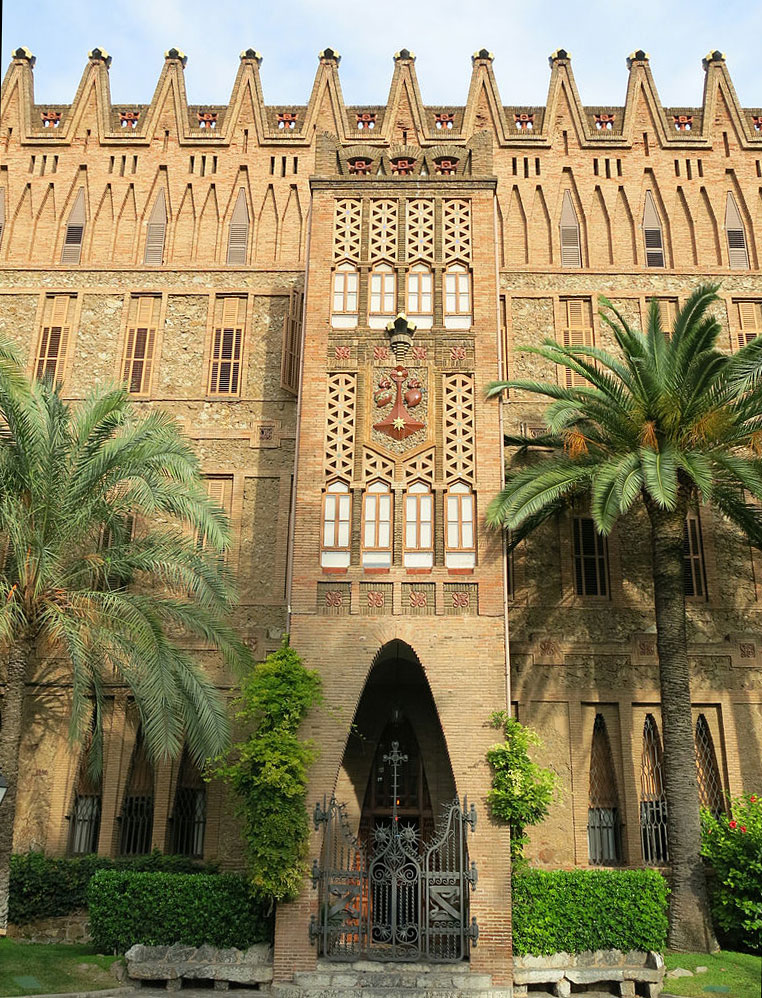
{"x": 590, "y": 975}
{"x": 537, "y": 975}
{"x": 520, "y": 991}
{"x": 562, "y": 988}
{"x": 221, "y": 985}
{"x": 627, "y": 989}
{"x": 653, "y": 989}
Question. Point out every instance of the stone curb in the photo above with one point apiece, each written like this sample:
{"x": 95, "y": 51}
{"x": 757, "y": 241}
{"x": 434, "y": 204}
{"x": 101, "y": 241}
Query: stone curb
{"x": 102, "y": 993}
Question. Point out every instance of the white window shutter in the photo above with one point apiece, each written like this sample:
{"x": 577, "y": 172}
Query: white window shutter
{"x": 738, "y": 253}
{"x": 75, "y": 230}
{"x": 157, "y": 229}
{"x": 652, "y": 233}
{"x": 571, "y": 253}
{"x": 238, "y": 235}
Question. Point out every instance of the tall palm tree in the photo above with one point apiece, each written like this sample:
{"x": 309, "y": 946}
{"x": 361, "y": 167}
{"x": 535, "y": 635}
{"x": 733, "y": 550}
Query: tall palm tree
{"x": 668, "y": 423}
{"x": 103, "y": 576}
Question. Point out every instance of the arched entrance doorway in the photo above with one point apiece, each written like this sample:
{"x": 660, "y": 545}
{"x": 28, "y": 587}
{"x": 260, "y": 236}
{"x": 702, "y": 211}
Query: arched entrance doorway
{"x": 394, "y": 876}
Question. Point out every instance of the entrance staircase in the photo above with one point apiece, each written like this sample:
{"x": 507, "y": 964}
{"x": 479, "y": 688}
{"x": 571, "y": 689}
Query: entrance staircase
{"x": 367, "y": 979}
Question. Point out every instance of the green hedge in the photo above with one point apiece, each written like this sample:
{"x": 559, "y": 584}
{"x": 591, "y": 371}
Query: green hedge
{"x": 43, "y": 886}
{"x": 159, "y": 909}
{"x": 573, "y": 911}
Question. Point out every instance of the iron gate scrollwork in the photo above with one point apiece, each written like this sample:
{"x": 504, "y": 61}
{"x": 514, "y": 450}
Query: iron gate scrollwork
{"x": 403, "y": 899}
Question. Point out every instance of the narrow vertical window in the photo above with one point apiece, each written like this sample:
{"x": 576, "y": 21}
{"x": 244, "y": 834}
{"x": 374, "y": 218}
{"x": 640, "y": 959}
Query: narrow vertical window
{"x": 219, "y": 488}
{"x": 136, "y": 819}
{"x": 156, "y": 232}
{"x": 188, "y": 819}
{"x": 345, "y": 295}
{"x": 604, "y": 839}
{"x": 71, "y": 250}
{"x": 667, "y": 314}
{"x": 738, "y": 252}
{"x": 2, "y": 213}
{"x": 652, "y": 233}
{"x": 227, "y": 342}
{"x": 419, "y": 303}
{"x": 578, "y": 332}
{"x": 377, "y": 526}
{"x": 419, "y": 524}
{"x": 54, "y": 339}
{"x": 460, "y": 530}
{"x": 292, "y": 343}
{"x": 709, "y": 783}
{"x": 694, "y": 569}
{"x": 653, "y": 803}
{"x": 383, "y": 296}
{"x": 749, "y": 322}
{"x": 571, "y": 252}
{"x": 238, "y": 233}
{"x": 457, "y": 297}
{"x": 591, "y": 569}
{"x": 337, "y": 522}
{"x": 140, "y": 343}
{"x": 85, "y": 817}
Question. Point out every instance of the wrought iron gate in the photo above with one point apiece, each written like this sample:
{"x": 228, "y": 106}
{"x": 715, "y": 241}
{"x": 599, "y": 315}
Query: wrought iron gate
{"x": 409, "y": 900}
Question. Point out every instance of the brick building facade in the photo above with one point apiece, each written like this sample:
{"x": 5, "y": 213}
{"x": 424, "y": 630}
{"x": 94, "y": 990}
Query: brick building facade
{"x": 206, "y": 254}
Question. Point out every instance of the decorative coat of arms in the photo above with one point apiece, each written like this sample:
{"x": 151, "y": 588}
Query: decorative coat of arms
{"x": 399, "y": 423}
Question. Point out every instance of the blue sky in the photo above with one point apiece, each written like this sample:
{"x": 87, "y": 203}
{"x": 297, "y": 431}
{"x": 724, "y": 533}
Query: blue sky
{"x": 443, "y": 35}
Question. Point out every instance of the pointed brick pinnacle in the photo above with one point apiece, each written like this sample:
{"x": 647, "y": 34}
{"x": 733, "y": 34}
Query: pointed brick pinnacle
{"x": 22, "y": 52}
{"x": 711, "y": 57}
{"x": 176, "y": 55}
{"x": 99, "y": 55}
{"x": 483, "y": 55}
{"x": 329, "y": 55}
{"x": 637, "y": 56}
{"x": 404, "y": 55}
{"x": 560, "y": 55}
{"x": 253, "y": 55}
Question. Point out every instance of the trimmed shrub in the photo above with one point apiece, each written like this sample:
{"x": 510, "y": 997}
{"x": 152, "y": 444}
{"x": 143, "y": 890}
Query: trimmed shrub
{"x": 573, "y": 911}
{"x": 158, "y": 909}
{"x": 733, "y": 846}
{"x": 45, "y": 886}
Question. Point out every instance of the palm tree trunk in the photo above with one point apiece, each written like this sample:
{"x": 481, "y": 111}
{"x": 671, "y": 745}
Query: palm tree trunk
{"x": 690, "y": 926}
{"x": 10, "y": 740}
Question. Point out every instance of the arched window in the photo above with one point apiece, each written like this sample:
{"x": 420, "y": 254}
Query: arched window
{"x": 653, "y": 803}
{"x": 709, "y": 783}
{"x": 571, "y": 253}
{"x": 75, "y": 230}
{"x": 383, "y": 296}
{"x": 345, "y": 284}
{"x": 460, "y": 535}
{"x": 457, "y": 298}
{"x": 85, "y": 814}
{"x": 238, "y": 231}
{"x": 337, "y": 518}
{"x": 738, "y": 252}
{"x": 156, "y": 231}
{"x": 652, "y": 233}
{"x": 419, "y": 527}
{"x": 136, "y": 819}
{"x": 377, "y": 526}
{"x": 604, "y": 842}
{"x": 419, "y": 304}
{"x": 188, "y": 821}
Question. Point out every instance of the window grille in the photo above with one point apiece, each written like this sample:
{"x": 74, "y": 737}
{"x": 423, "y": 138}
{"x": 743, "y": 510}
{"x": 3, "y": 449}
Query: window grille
{"x": 571, "y": 253}
{"x": 292, "y": 343}
{"x": 711, "y": 795}
{"x": 578, "y": 332}
{"x": 738, "y": 253}
{"x": 750, "y": 321}
{"x": 337, "y": 523}
{"x": 652, "y": 233}
{"x": 156, "y": 232}
{"x": 189, "y": 813}
{"x": 604, "y": 842}
{"x": 75, "y": 230}
{"x": 694, "y": 569}
{"x": 54, "y": 339}
{"x": 85, "y": 814}
{"x": 377, "y": 526}
{"x": 419, "y": 523}
{"x": 653, "y": 803}
{"x": 227, "y": 344}
{"x": 140, "y": 343}
{"x": 591, "y": 569}
{"x": 238, "y": 233}
{"x": 136, "y": 819}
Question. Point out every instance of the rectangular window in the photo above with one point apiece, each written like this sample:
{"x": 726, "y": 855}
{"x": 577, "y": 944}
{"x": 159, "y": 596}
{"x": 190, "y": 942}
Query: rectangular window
{"x": 667, "y": 314}
{"x": 749, "y": 321}
{"x": 337, "y": 524}
{"x": 377, "y": 526}
{"x": 140, "y": 343}
{"x": 591, "y": 570}
{"x": 578, "y": 332}
{"x": 419, "y": 303}
{"x": 227, "y": 345}
{"x": 460, "y": 532}
{"x": 383, "y": 296}
{"x": 75, "y": 230}
{"x": 54, "y": 339}
{"x": 457, "y": 297}
{"x": 292, "y": 343}
{"x": 419, "y": 524}
{"x": 694, "y": 568}
{"x": 344, "y": 298}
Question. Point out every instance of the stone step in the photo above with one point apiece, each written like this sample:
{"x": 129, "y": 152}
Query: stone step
{"x": 371, "y": 991}
{"x": 386, "y": 977}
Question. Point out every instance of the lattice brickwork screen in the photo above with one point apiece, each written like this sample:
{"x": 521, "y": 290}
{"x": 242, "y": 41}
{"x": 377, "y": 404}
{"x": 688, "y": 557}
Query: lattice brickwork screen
{"x": 457, "y": 230}
{"x": 420, "y": 467}
{"x": 54, "y": 338}
{"x": 377, "y": 466}
{"x": 420, "y": 229}
{"x": 340, "y": 429}
{"x": 140, "y": 343}
{"x": 458, "y": 427}
{"x": 384, "y": 227}
{"x": 347, "y": 228}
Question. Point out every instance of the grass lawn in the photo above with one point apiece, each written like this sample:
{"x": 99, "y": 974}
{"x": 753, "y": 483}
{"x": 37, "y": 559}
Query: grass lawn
{"x": 32, "y": 969}
{"x": 735, "y": 975}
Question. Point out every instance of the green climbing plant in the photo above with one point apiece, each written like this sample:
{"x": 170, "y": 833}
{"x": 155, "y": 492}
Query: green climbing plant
{"x": 522, "y": 791}
{"x": 268, "y": 772}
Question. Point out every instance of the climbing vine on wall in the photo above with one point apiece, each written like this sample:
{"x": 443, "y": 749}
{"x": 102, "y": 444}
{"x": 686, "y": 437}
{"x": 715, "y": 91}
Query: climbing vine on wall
{"x": 522, "y": 791}
{"x": 268, "y": 772}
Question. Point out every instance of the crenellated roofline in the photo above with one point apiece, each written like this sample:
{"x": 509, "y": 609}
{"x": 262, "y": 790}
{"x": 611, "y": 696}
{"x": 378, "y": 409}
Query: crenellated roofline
{"x": 404, "y": 119}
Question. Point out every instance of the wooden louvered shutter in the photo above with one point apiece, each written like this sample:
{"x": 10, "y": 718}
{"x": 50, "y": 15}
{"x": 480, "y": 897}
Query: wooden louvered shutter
{"x": 750, "y": 321}
{"x": 2, "y": 213}
{"x": 652, "y": 233}
{"x": 738, "y": 254}
{"x": 238, "y": 236}
{"x": 577, "y": 333}
{"x": 219, "y": 488}
{"x": 156, "y": 232}
{"x": 227, "y": 336}
{"x": 667, "y": 314}
{"x": 292, "y": 340}
{"x": 75, "y": 230}
{"x": 571, "y": 254}
{"x": 139, "y": 344}
{"x": 54, "y": 340}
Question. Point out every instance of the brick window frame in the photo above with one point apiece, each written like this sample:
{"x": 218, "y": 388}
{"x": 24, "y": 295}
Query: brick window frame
{"x": 345, "y": 296}
{"x": 226, "y": 361}
{"x": 140, "y": 347}
{"x": 382, "y": 294}
{"x": 54, "y": 342}
{"x": 460, "y": 527}
{"x": 419, "y": 295}
{"x": 457, "y": 296}
{"x": 336, "y": 527}
{"x": 418, "y": 528}
{"x": 377, "y": 534}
